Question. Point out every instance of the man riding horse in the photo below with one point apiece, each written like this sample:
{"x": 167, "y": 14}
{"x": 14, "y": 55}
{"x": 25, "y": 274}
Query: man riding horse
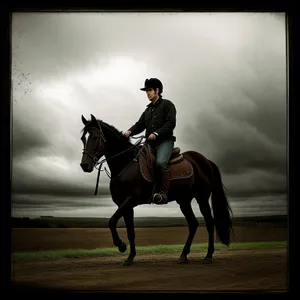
{"x": 159, "y": 120}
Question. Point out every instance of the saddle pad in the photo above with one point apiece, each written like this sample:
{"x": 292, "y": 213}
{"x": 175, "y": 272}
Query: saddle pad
{"x": 181, "y": 170}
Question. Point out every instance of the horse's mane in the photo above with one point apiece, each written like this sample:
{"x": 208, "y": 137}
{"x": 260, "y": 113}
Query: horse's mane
{"x": 113, "y": 128}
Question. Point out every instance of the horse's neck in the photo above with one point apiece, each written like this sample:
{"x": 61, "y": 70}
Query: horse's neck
{"x": 118, "y": 153}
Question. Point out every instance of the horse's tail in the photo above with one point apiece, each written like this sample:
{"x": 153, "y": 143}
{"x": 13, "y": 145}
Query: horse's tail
{"x": 221, "y": 209}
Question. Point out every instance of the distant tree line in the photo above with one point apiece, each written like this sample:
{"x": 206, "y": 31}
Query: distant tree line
{"x": 33, "y": 223}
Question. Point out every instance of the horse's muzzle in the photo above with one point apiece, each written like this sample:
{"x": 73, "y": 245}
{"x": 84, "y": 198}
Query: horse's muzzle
{"x": 86, "y": 168}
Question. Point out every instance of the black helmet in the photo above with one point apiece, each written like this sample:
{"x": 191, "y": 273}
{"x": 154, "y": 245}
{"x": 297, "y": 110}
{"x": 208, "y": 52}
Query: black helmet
{"x": 153, "y": 83}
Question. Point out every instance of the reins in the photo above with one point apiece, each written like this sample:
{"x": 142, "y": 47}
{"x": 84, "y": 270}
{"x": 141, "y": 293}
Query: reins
{"x": 120, "y": 153}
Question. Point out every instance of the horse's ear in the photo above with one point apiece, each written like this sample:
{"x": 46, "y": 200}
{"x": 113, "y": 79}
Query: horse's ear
{"x": 93, "y": 118}
{"x": 84, "y": 120}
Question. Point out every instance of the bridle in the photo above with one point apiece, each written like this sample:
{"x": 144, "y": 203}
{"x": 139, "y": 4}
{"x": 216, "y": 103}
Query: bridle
{"x": 95, "y": 159}
{"x": 102, "y": 138}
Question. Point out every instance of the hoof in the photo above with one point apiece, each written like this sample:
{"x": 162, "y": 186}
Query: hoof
{"x": 127, "y": 262}
{"x": 183, "y": 260}
{"x": 207, "y": 260}
{"x": 123, "y": 247}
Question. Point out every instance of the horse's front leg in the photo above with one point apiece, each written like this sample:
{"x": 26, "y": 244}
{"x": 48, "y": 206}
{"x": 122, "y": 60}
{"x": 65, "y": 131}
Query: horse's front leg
{"x": 112, "y": 223}
{"x": 129, "y": 222}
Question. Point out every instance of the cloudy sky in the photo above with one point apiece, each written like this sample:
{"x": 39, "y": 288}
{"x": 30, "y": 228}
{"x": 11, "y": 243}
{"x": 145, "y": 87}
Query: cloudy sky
{"x": 225, "y": 72}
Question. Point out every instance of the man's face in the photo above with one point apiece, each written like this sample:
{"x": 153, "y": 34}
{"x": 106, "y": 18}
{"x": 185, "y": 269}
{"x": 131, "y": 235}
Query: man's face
{"x": 151, "y": 93}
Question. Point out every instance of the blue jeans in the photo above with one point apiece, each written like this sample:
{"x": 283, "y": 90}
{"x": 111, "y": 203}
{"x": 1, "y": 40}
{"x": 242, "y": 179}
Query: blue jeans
{"x": 163, "y": 154}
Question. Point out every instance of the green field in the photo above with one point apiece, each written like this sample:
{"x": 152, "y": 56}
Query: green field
{"x": 104, "y": 252}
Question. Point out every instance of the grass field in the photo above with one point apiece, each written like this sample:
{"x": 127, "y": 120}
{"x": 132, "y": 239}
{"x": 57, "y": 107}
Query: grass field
{"x": 103, "y": 252}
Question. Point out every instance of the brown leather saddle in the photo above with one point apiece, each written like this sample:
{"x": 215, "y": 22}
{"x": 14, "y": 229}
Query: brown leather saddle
{"x": 179, "y": 167}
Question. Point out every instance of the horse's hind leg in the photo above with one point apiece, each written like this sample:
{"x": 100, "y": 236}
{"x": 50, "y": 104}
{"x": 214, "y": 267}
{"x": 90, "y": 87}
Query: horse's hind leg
{"x": 193, "y": 224}
{"x": 204, "y": 206}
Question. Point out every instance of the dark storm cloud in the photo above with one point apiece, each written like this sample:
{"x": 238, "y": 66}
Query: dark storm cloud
{"x": 26, "y": 181}
{"x": 237, "y": 146}
{"x": 46, "y": 200}
{"x": 46, "y": 42}
{"x": 251, "y": 162}
{"x": 54, "y": 187}
{"x": 240, "y": 121}
{"x": 28, "y": 136}
{"x": 49, "y": 43}
{"x": 35, "y": 134}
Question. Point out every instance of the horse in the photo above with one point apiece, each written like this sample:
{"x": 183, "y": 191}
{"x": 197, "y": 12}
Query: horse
{"x": 129, "y": 186}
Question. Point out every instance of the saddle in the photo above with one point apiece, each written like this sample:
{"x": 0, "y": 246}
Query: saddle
{"x": 179, "y": 167}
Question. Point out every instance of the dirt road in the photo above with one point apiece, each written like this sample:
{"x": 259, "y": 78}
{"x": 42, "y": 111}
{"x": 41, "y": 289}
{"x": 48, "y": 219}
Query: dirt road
{"x": 259, "y": 269}
{"x": 36, "y": 239}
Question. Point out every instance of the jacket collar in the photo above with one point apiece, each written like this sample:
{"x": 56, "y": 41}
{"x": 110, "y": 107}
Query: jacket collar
{"x": 159, "y": 100}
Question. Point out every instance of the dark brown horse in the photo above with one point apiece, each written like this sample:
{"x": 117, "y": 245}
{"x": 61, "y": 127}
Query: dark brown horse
{"x": 129, "y": 188}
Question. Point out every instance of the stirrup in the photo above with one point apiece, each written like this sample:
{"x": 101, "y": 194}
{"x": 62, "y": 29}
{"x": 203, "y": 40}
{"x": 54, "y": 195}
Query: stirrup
{"x": 161, "y": 199}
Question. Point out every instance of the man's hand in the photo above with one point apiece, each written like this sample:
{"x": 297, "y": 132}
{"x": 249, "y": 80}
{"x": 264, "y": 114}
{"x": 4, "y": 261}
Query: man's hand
{"x": 152, "y": 136}
{"x": 127, "y": 133}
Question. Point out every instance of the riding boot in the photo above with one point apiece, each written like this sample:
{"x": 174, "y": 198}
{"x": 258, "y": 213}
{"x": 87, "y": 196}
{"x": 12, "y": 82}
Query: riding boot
{"x": 163, "y": 183}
